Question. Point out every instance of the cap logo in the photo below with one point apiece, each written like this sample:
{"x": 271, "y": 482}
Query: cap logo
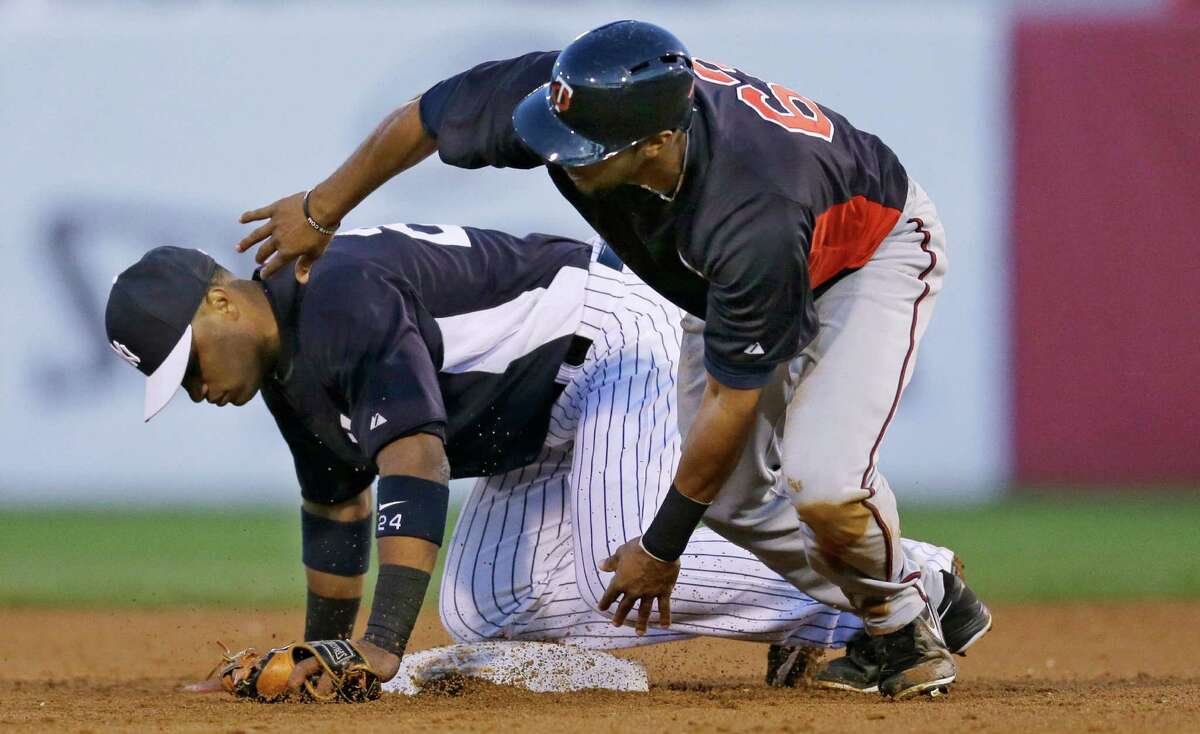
{"x": 125, "y": 354}
{"x": 560, "y": 95}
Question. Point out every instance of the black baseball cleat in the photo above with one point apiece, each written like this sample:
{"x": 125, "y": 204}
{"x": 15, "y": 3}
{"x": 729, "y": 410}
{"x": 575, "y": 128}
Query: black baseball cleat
{"x": 787, "y": 664}
{"x": 908, "y": 662}
{"x": 915, "y": 660}
{"x": 964, "y": 618}
{"x": 857, "y": 670}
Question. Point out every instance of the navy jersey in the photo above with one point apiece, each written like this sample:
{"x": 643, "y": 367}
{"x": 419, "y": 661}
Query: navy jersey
{"x": 780, "y": 196}
{"x": 403, "y": 329}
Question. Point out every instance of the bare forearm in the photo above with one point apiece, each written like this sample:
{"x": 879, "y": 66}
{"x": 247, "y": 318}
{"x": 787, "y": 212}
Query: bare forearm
{"x": 397, "y": 144}
{"x": 412, "y": 497}
{"x": 715, "y": 440}
{"x": 333, "y": 600}
{"x": 333, "y": 586}
{"x": 412, "y": 552}
{"x": 646, "y": 568}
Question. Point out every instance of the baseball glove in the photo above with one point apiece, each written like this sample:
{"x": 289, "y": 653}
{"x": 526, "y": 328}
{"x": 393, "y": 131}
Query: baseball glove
{"x": 264, "y": 678}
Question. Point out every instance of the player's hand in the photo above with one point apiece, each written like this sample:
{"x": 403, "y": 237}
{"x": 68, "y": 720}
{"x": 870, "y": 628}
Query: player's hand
{"x": 384, "y": 663}
{"x": 640, "y": 579}
{"x": 286, "y": 234}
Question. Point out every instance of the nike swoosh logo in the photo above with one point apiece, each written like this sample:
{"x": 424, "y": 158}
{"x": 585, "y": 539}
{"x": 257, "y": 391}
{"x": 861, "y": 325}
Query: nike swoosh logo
{"x": 389, "y": 504}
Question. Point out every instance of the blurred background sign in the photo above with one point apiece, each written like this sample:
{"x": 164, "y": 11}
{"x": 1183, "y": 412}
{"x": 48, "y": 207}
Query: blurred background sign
{"x": 1107, "y": 313}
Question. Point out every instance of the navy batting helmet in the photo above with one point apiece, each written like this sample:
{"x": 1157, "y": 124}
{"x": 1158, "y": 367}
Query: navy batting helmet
{"x": 611, "y": 87}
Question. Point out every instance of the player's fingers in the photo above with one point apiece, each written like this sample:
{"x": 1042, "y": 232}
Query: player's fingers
{"x": 664, "y": 610}
{"x": 610, "y": 595}
{"x": 274, "y": 265}
{"x": 609, "y": 564}
{"x": 265, "y": 250}
{"x": 325, "y": 685}
{"x": 644, "y": 607}
{"x": 303, "y": 268}
{"x": 212, "y": 685}
{"x": 258, "y": 235}
{"x": 301, "y": 673}
{"x": 255, "y": 215}
{"x": 623, "y": 609}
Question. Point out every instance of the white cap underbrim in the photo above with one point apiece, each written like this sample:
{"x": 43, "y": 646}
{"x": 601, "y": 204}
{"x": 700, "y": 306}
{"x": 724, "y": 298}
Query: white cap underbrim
{"x": 164, "y": 382}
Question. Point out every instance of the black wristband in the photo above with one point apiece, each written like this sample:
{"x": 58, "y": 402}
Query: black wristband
{"x": 399, "y": 592}
{"x": 330, "y": 619}
{"x": 327, "y": 231}
{"x": 672, "y": 526}
{"x": 332, "y": 546}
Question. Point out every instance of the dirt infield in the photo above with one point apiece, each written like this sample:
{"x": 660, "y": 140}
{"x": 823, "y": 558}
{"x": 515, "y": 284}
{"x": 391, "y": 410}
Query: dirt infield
{"x": 1129, "y": 667}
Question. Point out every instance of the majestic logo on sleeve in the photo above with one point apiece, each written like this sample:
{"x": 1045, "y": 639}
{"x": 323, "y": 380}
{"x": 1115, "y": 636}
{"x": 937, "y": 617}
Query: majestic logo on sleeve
{"x": 344, "y": 420}
{"x": 125, "y": 354}
{"x": 754, "y": 350}
{"x": 560, "y": 94}
{"x": 377, "y": 420}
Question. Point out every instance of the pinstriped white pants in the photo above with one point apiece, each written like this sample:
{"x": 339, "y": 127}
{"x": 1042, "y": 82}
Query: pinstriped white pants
{"x": 523, "y": 561}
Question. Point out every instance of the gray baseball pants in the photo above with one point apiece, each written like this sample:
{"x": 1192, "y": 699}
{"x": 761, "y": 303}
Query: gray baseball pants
{"x": 806, "y": 496}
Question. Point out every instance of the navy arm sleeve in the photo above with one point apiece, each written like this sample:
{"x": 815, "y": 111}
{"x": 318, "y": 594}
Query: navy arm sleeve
{"x": 760, "y": 309}
{"x": 374, "y": 354}
{"x": 470, "y": 114}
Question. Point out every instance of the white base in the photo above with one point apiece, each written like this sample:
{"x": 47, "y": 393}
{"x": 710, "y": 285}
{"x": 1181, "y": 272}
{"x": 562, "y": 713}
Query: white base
{"x": 541, "y": 667}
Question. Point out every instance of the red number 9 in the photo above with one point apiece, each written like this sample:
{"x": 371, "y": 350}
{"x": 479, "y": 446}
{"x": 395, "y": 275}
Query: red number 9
{"x": 807, "y": 120}
{"x": 794, "y": 113}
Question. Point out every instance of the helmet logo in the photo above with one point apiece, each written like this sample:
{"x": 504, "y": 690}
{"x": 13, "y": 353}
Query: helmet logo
{"x": 560, "y": 95}
{"x": 125, "y": 354}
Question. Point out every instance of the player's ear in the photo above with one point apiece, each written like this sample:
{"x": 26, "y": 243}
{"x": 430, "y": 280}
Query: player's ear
{"x": 653, "y": 146}
{"x": 219, "y": 300}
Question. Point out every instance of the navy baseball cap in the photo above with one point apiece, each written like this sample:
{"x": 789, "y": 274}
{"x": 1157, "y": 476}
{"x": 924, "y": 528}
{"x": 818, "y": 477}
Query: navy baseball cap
{"x": 149, "y": 317}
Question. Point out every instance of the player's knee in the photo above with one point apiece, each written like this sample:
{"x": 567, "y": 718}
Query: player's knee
{"x": 447, "y": 602}
{"x": 815, "y": 488}
{"x": 470, "y": 614}
{"x": 819, "y": 482}
{"x": 829, "y": 503}
{"x": 452, "y": 621}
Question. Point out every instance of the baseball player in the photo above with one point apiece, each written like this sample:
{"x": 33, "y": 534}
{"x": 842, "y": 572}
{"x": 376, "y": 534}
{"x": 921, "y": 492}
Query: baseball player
{"x": 420, "y": 353}
{"x": 808, "y": 262}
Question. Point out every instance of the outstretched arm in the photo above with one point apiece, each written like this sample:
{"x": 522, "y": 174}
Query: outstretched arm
{"x": 646, "y": 567}
{"x": 467, "y": 118}
{"x": 412, "y": 498}
{"x": 397, "y": 144}
{"x": 715, "y": 440}
{"x": 759, "y": 315}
